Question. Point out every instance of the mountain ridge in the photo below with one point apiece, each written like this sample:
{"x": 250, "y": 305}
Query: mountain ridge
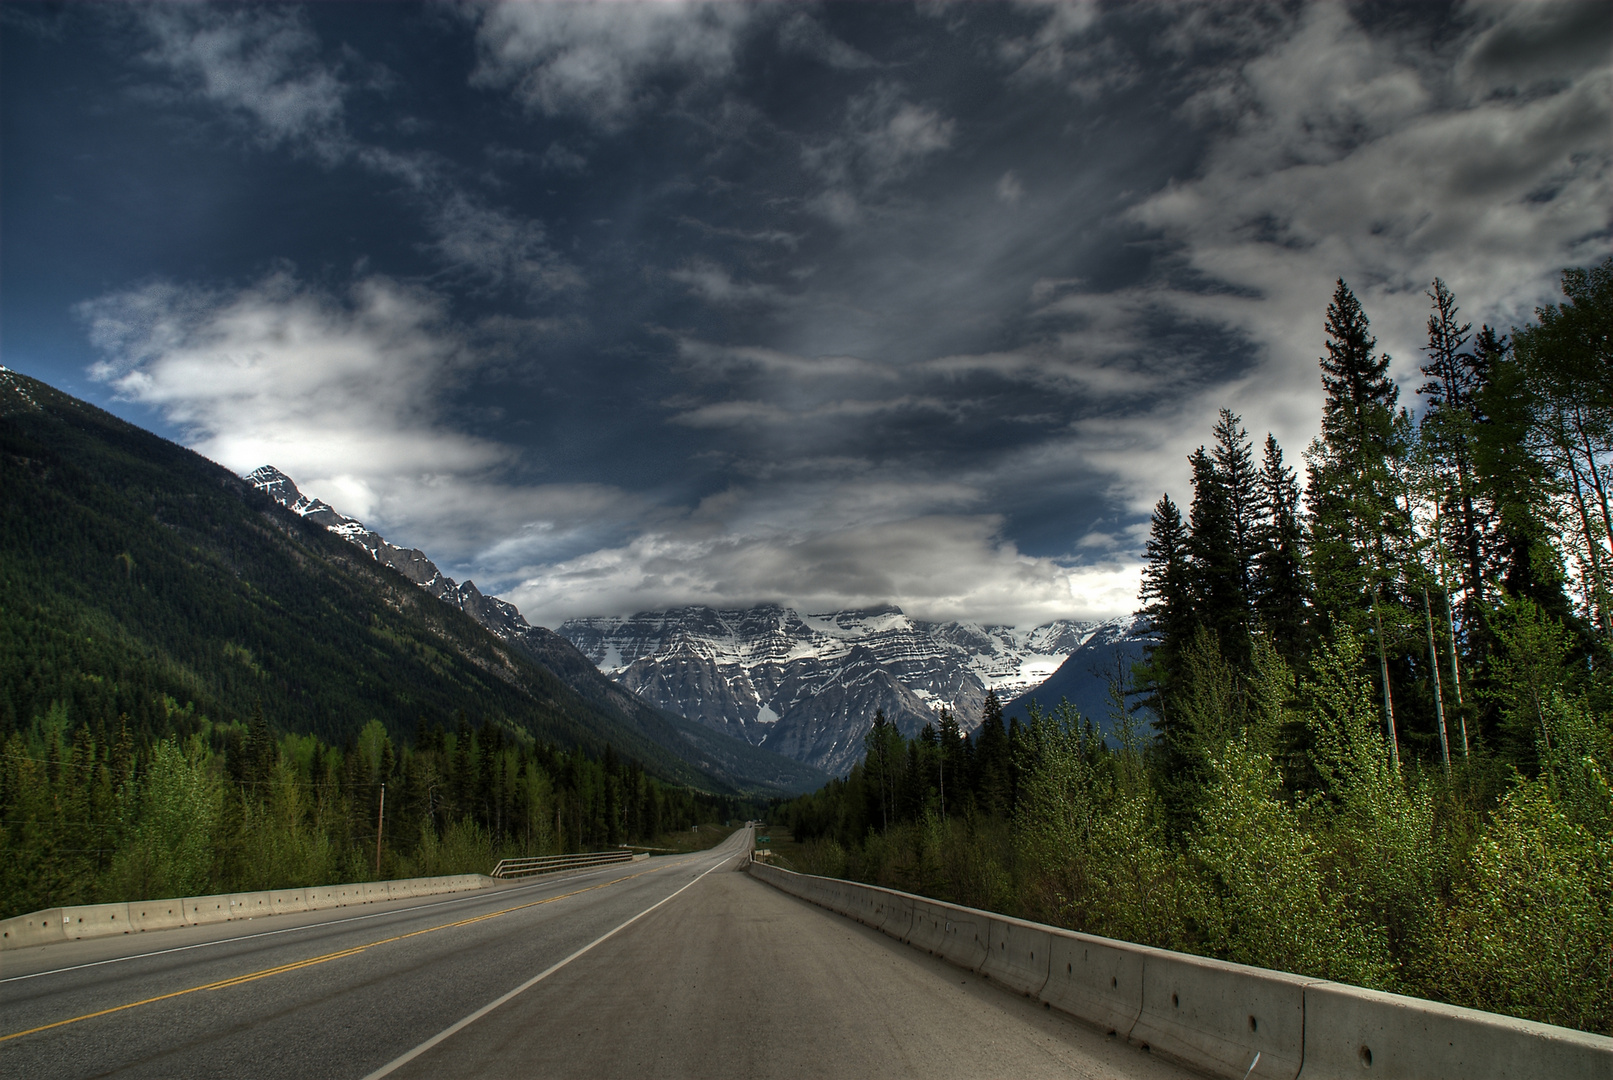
{"x": 807, "y": 684}
{"x": 149, "y": 586}
{"x": 713, "y": 750}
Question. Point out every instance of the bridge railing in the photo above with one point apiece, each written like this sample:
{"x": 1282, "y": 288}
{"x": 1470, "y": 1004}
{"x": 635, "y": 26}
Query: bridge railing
{"x": 548, "y": 864}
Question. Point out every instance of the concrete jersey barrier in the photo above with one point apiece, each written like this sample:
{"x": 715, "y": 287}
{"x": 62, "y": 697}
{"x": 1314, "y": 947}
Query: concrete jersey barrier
{"x": 1213, "y": 1015}
{"x": 101, "y": 920}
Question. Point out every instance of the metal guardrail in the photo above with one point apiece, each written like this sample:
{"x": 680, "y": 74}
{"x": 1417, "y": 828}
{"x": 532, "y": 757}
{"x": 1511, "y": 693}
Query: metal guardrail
{"x": 546, "y": 864}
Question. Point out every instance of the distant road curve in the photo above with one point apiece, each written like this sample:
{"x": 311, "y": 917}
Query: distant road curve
{"x": 670, "y": 967}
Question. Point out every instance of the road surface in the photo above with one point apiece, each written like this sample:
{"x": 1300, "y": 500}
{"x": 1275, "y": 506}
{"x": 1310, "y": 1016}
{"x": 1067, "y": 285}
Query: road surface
{"x": 678, "y": 966}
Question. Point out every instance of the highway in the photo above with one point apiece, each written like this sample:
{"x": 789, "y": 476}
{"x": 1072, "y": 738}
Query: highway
{"x": 674, "y": 966}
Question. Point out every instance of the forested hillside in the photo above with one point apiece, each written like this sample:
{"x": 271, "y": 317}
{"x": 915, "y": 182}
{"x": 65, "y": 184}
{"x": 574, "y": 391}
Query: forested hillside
{"x": 169, "y": 635}
{"x": 1373, "y": 739}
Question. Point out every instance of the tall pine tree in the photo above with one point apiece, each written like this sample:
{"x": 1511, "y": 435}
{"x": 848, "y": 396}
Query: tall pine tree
{"x": 1220, "y": 598}
{"x": 1281, "y": 592}
{"x": 1353, "y": 484}
{"x": 1167, "y": 596}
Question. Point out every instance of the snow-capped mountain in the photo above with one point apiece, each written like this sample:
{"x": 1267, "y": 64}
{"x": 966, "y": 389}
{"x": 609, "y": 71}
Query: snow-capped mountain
{"x": 804, "y": 686}
{"x": 695, "y": 743}
{"x": 807, "y": 685}
{"x": 501, "y": 618}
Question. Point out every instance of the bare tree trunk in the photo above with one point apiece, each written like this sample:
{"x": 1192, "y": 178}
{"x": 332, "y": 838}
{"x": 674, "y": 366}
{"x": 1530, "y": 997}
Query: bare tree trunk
{"x": 1607, "y": 519}
{"x": 1456, "y": 673}
{"x": 1450, "y": 624}
{"x": 1388, "y": 698}
{"x": 1439, "y": 695}
{"x": 1593, "y": 549}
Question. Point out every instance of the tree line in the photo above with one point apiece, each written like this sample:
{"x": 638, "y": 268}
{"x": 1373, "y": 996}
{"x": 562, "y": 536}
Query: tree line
{"x": 1371, "y": 737}
{"x": 91, "y": 812}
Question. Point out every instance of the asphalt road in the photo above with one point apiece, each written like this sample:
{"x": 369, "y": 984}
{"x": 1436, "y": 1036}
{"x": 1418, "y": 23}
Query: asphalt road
{"x": 675, "y": 966}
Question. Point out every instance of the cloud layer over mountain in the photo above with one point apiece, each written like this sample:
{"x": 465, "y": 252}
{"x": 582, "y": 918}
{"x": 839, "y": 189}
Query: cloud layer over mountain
{"x": 620, "y": 306}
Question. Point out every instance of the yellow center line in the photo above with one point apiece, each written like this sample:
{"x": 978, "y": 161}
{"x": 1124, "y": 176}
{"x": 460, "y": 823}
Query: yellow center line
{"x": 237, "y": 980}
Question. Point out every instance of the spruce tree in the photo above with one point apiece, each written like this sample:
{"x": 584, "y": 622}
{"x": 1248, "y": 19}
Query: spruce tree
{"x": 1281, "y": 590}
{"x": 1219, "y": 597}
{"x": 1235, "y": 467}
{"x": 992, "y": 774}
{"x": 1352, "y": 488}
{"x": 1567, "y": 359}
{"x": 1449, "y": 428}
{"x": 1167, "y": 596}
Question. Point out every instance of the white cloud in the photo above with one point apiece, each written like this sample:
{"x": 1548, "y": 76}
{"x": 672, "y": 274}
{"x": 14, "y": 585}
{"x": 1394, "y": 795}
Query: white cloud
{"x": 260, "y": 63}
{"x": 1342, "y": 154}
{"x": 803, "y": 34}
{"x": 933, "y": 567}
{"x": 263, "y": 66}
{"x": 601, "y": 62}
{"x": 713, "y": 283}
{"x": 709, "y": 360}
{"x": 1070, "y": 50}
{"x": 561, "y": 159}
{"x": 883, "y": 139}
{"x": 337, "y": 391}
{"x": 1009, "y": 189}
{"x": 499, "y": 248}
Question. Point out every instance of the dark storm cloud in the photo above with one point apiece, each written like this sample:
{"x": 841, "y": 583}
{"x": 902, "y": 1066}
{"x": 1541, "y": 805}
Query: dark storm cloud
{"x": 613, "y": 306}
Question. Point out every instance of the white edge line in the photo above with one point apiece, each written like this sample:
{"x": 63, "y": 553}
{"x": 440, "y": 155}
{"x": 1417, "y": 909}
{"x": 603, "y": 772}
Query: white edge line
{"x": 480, "y": 894}
{"x": 399, "y": 1062}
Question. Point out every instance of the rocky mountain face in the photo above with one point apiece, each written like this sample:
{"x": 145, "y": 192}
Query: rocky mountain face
{"x": 738, "y": 761}
{"x": 807, "y": 686}
{"x": 793, "y": 685}
{"x": 1084, "y": 679}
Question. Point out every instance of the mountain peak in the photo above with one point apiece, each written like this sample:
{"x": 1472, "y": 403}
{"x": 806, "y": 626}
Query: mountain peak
{"x": 807, "y": 685}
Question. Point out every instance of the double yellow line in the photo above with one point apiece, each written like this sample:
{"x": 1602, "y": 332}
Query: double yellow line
{"x": 354, "y": 951}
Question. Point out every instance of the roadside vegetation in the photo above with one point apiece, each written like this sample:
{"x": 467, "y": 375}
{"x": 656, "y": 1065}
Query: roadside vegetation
{"x": 1373, "y": 736}
{"x": 90, "y": 814}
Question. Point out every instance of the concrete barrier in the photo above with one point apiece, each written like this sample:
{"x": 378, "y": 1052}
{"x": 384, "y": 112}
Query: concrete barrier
{"x": 206, "y": 909}
{"x": 157, "y": 914}
{"x": 321, "y": 897}
{"x": 1017, "y": 955}
{"x": 250, "y": 905}
{"x": 287, "y": 900}
{"x": 1217, "y": 1016}
{"x": 35, "y": 928}
{"x": 928, "y": 928}
{"x": 966, "y": 938}
{"x": 1352, "y": 1032}
{"x": 95, "y": 920}
{"x": 99, "y": 920}
{"x": 1096, "y": 980}
{"x": 898, "y": 920}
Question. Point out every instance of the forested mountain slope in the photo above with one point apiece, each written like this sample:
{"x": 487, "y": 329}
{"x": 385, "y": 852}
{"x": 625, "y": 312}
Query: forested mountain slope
{"x": 716, "y": 753}
{"x": 141, "y": 580}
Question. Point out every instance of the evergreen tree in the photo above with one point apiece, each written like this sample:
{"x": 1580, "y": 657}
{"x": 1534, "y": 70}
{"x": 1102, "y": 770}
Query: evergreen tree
{"x": 882, "y": 743}
{"x": 1167, "y": 605}
{"x": 949, "y": 754}
{"x": 1235, "y": 468}
{"x": 993, "y": 769}
{"x": 1353, "y": 486}
{"x": 1449, "y": 428}
{"x": 1280, "y": 587}
{"x": 1567, "y": 360}
{"x": 1220, "y": 600}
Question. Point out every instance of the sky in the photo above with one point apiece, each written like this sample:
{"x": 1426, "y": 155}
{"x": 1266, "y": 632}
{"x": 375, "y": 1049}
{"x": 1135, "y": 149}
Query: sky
{"x": 613, "y": 307}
